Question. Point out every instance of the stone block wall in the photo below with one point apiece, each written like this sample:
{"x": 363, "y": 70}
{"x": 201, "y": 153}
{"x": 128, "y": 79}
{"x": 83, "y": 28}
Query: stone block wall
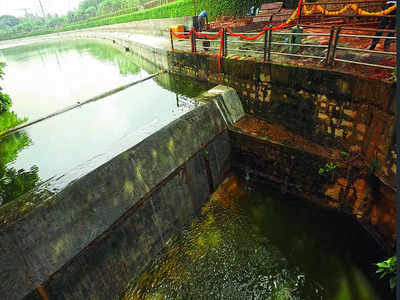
{"x": 333, "y": 109}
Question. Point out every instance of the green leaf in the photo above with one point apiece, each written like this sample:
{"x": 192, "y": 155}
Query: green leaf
{"x": 381, "y": 264}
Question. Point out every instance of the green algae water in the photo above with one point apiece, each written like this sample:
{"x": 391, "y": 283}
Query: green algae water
{"x": 250, "y": 242}
{"x": 43, "y": 78}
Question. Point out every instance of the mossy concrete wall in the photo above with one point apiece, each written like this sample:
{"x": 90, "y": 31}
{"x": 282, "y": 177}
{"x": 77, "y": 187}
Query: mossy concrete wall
{"x": 328, "y": 107}
{"x": 90, "y": 239}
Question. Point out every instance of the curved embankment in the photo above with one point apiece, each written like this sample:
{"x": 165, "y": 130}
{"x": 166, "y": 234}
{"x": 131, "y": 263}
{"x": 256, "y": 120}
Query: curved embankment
{"x": 96, "y": 234}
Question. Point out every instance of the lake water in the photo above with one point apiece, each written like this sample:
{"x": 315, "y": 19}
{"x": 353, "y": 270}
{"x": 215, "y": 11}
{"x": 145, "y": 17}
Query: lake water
{"x": 251, "y": 242}
{"x": 43, "y": 78}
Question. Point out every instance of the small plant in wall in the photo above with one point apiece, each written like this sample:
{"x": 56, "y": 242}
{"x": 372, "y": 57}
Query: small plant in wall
{"x": 328, "y": 169}
{"x": 388, "y": 267}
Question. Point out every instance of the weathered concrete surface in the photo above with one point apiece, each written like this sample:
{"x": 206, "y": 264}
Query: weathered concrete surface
{"x": 328, "y": 107}
{"x": 349, "y": 186}
{"x": 104, "y": 227}
{"x": 155, "y": 27}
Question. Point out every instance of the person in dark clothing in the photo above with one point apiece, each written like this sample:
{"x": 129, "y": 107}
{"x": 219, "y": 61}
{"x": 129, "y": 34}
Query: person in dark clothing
{"x": 391, "y": 22}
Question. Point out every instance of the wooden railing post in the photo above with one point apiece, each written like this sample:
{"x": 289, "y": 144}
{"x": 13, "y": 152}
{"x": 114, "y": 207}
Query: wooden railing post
{"x": 194, "y": 42}
{"x": 225, "y": 43}
{"x": 265, "y": 44}
{"x": 301, "y": 9}
{"x": 335, "y": 45}
{"x": 269, "y": 43}
{"x": 172, "y": 40}
{"x": 328, "y": 58}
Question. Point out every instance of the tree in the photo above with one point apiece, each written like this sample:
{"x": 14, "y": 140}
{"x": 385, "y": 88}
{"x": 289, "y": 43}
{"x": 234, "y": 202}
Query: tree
{"x": 5, "y": 101}
{"x": 90, "y": 11}
{"x": 105, "y": 7}
{"x": 8, "y": 21}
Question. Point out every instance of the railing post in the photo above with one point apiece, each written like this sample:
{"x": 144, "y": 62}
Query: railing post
{"x": 172, "y": 40}
{"x": 225, "y": 43}
{"x": 265, "y": 44}
{"x": 335, "y": 45}
{"x": 301, "y": 9}
{"x": 269, "y": 43}
{"x": 327, "y": 59}
{"x": 194, "y": 42}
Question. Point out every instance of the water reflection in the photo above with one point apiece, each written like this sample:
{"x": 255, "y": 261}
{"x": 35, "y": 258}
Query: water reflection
{"x": 44, "y": 78}
{"x": 15, "y": 182}
{"x": 9, "y": 119}
{"x": 258, "y": 245}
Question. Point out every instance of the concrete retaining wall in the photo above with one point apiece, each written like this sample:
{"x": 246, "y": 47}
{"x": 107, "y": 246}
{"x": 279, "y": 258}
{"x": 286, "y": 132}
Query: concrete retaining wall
{"x": 95, "y": 235}
{"x": 156, "y": 27}
{"x": 328, "y": 107}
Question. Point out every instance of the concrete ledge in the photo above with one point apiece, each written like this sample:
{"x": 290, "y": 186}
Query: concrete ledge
{"x": 156, "y": 27}
{"x": 175, "y": 169}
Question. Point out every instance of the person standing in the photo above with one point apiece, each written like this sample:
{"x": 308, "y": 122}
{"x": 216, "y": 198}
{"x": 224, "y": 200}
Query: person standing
{"x": 391, "y": 21}
{"x": 202, "y": 20}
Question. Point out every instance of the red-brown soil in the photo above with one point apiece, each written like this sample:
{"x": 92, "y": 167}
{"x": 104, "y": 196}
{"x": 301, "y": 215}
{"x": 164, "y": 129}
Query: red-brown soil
{"x": 277, "y": 133}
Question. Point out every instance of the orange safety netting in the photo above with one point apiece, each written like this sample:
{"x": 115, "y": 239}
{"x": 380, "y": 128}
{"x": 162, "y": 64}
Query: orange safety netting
{"x": 353, "y": 6}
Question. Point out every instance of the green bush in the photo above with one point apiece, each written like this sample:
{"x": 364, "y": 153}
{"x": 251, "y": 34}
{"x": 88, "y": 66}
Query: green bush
{"x": 388, "y": 267}
{"x": 5, "y": 101}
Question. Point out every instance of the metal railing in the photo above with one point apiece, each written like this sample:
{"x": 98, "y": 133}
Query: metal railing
{"x": 271, "y": 44}
{"x": 338, "y": 48}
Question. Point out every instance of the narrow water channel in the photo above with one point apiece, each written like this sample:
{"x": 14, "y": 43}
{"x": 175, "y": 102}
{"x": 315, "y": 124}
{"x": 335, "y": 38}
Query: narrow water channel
{"x": 251, "y": 242}
{"x": 43, "y": 78}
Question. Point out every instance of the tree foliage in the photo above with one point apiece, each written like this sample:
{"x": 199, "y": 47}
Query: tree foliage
{"x": 5, "y": 101}
{"x": 14, "y": 183}
{"x": 92, "y": 13}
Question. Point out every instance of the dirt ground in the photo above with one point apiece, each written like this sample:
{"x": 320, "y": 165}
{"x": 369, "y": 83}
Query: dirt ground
{"x": 278, "y": 133}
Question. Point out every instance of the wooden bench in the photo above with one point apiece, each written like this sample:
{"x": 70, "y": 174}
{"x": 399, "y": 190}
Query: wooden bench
{"x": 274, "y": 9}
